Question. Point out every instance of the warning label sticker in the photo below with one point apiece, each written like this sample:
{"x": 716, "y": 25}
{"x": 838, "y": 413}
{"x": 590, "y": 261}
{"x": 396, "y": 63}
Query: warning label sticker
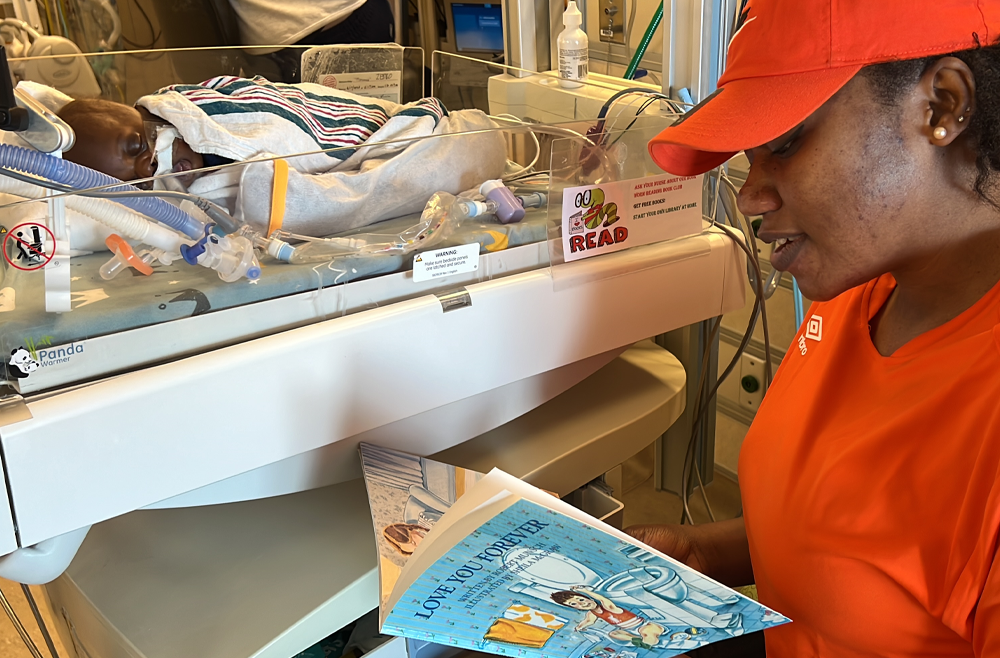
{"x": 445, "y": 262}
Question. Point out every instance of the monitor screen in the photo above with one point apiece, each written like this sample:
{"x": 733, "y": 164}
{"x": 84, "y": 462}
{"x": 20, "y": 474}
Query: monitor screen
{"x": 478, "y": 27}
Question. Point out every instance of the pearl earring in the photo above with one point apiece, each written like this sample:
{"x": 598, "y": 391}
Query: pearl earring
{"x": 940, "y": 132}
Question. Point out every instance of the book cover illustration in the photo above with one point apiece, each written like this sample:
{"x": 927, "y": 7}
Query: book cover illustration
{"x": 408, "y": 495}
{"x": 534, "y": 582}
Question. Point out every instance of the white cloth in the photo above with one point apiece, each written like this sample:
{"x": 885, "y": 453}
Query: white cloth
{"x": 382, "y": 183}
{"x": 51, "y": 98}
{"x": 389, "y": 167}
{"x": 241, "y": 119}
{"x": 283, "y": 22}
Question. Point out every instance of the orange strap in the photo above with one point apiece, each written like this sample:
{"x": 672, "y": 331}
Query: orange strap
{"x": 278, "y": 190}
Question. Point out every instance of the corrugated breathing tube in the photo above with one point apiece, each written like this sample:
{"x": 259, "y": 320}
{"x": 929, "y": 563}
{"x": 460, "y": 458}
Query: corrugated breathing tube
{"x": 82, "y": 178}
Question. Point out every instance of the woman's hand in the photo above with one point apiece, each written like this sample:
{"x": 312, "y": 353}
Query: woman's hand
{"x": 673, "y": 540}
{"x": 718, "y": 550}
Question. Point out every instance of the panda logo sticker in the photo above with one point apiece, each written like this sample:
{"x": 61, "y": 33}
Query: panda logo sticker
{"x": 21, "y": 363}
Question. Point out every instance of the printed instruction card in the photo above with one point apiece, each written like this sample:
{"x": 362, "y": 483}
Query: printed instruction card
{"x": 600, "y": 219}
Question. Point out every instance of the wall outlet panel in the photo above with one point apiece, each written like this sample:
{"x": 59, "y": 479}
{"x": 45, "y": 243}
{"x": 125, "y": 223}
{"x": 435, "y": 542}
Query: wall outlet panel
{"x": 751, "y": 382}
{"x": 611, "y": 21}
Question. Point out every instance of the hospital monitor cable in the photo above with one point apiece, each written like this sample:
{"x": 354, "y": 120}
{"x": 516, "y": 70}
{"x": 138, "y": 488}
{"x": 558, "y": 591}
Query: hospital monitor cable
{"x": 748, "y": 245}
{"x": 701, "y": 408}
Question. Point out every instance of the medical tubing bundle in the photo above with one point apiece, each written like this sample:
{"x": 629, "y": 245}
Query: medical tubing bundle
{"x": 214, "y": 211}
{"x": 436, "y": 223}
{"x": 122, "y": 220}
{"x": 82, "y": 178}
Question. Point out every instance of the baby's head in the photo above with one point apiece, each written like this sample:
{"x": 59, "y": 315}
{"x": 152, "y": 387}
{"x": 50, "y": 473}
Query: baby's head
{"x": 574, "y": 600}
{"x": 111, "y": 138}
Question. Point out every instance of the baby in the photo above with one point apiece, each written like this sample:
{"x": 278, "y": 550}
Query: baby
{"x": 229, "y": 119}
{"x": 112, "y": 138}
{"x": 356, "y": 160}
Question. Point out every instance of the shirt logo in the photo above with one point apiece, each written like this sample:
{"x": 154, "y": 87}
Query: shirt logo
{"x": 814, "y": 328}
{"x": 814, "y": 331}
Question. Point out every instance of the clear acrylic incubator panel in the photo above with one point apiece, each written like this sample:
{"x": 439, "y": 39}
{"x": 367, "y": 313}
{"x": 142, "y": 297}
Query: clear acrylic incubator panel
{"x": 100, "y": 278}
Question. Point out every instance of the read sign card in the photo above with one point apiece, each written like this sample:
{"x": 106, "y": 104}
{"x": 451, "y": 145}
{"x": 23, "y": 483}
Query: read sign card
{"x": 599, "y": 219}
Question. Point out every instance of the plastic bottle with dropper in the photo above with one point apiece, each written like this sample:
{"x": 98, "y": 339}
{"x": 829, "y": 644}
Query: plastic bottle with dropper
{"x": 574, "y": 49}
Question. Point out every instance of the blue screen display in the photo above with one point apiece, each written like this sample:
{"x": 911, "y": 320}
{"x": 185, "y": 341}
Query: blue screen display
{"x": 478, "y": 27}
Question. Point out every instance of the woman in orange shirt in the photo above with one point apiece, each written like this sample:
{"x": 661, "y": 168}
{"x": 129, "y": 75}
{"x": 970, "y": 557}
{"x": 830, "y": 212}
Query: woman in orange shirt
{"x": 871, "y": 475}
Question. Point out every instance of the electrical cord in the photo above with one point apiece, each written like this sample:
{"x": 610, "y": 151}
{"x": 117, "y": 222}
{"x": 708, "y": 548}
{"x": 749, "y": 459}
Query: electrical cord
{"x": 702, "y": 380}
{"x": 154, "y": 34}
{"x": 702, "y": 410}
{"x": 538, "y": 147}
{"x": 19, "y": 627}
{"x": 642, "y": 108}
{"x": 751, "y": 239}
{"x": 628, "y": 29}
{"x": 632, "y": 99}
{"x": 702, "y": 414}
{"x": 653, "y": 95}
{"x": 46, "y": 636}
{"x": 615, "y": 96}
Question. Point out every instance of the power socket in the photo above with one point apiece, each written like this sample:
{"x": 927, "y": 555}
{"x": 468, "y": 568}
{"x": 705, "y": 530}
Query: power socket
{"x": 751, "y": 382}
{"x": 612, "y": 21}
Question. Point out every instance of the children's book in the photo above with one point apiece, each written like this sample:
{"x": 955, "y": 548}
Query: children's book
{"x": 490, "y": 563}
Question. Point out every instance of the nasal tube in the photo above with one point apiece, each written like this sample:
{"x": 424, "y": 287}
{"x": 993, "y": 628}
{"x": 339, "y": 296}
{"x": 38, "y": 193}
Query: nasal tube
{"x": 82, "y": 178}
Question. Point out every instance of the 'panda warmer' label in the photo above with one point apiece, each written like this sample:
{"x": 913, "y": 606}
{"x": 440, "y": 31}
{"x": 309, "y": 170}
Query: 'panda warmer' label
{"x": 51, "y": 356}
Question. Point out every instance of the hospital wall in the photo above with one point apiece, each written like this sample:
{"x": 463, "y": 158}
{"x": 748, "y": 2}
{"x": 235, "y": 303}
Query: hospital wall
{"x": 612, "y": 59}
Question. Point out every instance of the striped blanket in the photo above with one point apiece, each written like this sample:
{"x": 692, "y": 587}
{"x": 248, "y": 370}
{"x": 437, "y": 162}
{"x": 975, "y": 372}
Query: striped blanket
{"x": 240, "y": 119}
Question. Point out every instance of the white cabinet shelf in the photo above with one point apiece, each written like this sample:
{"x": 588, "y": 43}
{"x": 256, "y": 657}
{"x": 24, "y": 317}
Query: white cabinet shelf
{"x": 268, "y": 578}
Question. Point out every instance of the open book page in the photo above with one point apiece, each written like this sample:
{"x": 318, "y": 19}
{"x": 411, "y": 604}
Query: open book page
{"x": 408, "y": 495}
{"x": 487, "y": 499}
{"x": 532, "y": 581}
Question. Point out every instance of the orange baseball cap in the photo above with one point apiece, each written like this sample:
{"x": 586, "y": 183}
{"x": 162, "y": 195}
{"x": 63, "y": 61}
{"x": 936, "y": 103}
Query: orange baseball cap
{"x": 788, "y": 57}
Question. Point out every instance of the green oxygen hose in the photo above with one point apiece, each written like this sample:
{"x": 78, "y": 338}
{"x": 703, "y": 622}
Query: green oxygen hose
{"x": 640, "y": 50}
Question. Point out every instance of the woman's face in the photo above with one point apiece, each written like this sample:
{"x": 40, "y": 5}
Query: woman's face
{"x": 844, "y": 189}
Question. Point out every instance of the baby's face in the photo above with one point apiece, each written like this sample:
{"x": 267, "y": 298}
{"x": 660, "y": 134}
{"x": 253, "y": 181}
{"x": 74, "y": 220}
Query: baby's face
{"x": 112, "y": 141}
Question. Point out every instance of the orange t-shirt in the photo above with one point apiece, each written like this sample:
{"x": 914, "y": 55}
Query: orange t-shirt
{"x": 871, "y": 490}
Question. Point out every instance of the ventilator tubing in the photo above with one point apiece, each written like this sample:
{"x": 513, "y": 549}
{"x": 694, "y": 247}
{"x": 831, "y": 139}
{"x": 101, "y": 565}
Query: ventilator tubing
{"x": 124, "y": 222}
{"x": 82, "y": 178}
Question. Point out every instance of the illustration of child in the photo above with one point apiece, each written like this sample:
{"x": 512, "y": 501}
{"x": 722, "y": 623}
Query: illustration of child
{"x": 628, "y": 626}
{"x": 689, "y": 638}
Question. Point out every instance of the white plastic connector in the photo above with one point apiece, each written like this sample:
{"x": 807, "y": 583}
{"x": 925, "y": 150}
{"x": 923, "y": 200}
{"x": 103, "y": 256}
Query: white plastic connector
{"x": 232, "y": 257}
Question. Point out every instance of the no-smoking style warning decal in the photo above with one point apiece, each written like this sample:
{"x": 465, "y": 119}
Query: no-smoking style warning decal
{"x": 29, "y": 246}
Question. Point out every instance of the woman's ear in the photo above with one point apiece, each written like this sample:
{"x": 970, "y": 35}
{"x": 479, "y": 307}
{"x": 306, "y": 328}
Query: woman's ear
{"x": 948, "y": 91}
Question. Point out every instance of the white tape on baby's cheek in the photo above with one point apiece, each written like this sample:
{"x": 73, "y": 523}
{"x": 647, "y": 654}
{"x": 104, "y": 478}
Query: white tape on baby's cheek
{"x": 165, "y": 149}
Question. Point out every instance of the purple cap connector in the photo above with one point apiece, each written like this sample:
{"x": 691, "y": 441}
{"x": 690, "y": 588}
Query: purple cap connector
{"x": 509, "y": 209}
